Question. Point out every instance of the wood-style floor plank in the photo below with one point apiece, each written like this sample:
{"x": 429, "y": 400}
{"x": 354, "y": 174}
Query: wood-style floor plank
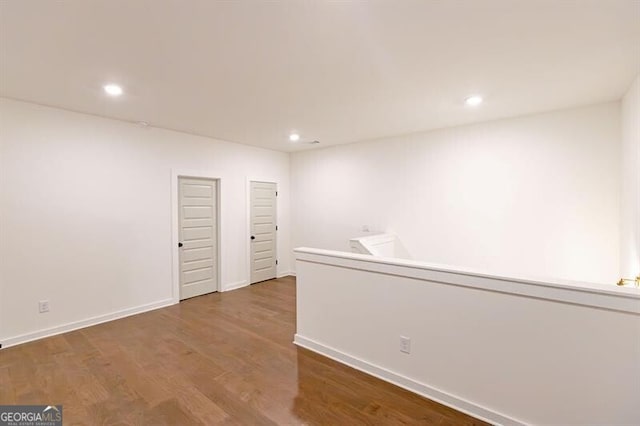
{"x": 223, "y": 358}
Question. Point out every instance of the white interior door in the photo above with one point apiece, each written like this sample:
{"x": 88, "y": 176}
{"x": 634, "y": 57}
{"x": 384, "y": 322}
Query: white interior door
{"x": 198, "y": 246}
{"x": 263, "y": 231}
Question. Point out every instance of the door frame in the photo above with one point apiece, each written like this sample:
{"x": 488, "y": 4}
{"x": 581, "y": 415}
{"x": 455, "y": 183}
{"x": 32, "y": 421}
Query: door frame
{"x": 175, "y": 225}
{"x": 248, "y": 191}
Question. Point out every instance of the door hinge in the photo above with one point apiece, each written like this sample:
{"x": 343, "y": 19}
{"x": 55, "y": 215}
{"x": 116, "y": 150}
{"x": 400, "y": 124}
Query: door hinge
{"x": 276, "y": 193}
{"x": 276, "y": 262}
{"x": 276, "y": 227}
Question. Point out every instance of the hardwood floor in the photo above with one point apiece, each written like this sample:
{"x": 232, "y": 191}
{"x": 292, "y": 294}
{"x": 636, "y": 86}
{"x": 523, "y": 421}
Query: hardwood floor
{"x": 223, "y": 358}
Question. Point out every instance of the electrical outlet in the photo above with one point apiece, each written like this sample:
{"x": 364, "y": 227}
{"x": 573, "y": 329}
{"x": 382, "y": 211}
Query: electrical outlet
{"x": 43, "y": 306}
{"x": 405, "y": 344}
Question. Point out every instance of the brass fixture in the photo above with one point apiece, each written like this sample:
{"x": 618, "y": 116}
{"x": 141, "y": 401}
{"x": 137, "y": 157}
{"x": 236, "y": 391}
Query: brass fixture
{"x": 636, "y": 281}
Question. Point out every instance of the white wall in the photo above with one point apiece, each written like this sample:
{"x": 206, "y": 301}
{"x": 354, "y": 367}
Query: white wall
{"x": 630, "y": 224}
{"x": 530, "y": 196}
{"x": 511, "y": 352}
{"x": 85, "y": 213}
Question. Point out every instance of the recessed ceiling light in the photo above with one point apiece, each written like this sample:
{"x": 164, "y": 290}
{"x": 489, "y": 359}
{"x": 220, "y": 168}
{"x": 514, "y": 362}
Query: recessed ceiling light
{"x": 113, "y": 90}
{"x": 294, "y": 137}
{"x": 474, "y": 100}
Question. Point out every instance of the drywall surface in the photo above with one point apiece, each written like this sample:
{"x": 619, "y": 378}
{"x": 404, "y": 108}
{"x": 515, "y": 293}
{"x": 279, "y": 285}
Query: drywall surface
{"x": 532, "y": 196}
{"x": 508, "y": 351}
{"x": 630, "y": 212}
{"x": 86, "y": 215}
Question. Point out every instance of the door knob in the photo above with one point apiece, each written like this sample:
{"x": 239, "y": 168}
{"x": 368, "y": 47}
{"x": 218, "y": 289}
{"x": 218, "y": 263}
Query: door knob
{"x": 253, "y": 237}
{"x": 180, "y": 244}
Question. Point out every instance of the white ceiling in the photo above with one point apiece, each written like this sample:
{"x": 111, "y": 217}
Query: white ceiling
{"x": 339, "y": 72}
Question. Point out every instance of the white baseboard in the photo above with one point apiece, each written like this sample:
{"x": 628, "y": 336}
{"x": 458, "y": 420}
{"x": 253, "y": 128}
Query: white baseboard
{"x": 244, "y": 283}
{"x": 70, "y": 326}
{"x": 236, "y": 285}
{"x": 427, "y": 391}
{"x": 286, "y": 274}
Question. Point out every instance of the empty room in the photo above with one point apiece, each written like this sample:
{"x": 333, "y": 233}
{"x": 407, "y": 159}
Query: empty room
{"x": 306, "y": 212}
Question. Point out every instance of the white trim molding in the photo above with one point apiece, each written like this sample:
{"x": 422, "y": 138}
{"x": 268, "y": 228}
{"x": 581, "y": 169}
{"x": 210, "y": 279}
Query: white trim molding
{"x": 612, "y": 297}
{"x": 422, "y": 389}
{"x": 71, "y": 326}
{"x": 236, "y": 285}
